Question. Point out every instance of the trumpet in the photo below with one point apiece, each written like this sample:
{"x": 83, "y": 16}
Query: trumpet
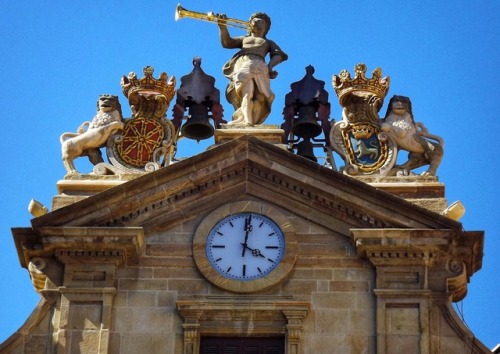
{"x": 181, "y": 12}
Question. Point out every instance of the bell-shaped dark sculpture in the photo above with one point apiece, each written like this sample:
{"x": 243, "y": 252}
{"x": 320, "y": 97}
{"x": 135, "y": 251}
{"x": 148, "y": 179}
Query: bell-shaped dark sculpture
{"x": 306, "y": 149}
{"x": 305, "y": 125}
{"x": 197, "y": 126}
{"x": 200, "y": 98}
{"x": 307, "y": 109}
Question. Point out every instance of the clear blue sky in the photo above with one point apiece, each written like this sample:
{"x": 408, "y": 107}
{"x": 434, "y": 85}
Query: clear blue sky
{"x": 57, "y": 57}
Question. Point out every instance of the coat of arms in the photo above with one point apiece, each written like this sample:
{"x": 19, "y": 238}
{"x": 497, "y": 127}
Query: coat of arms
{"x": 370, "y": 145}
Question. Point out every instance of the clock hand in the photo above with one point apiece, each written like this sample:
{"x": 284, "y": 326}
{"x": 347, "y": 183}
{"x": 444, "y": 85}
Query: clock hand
{"x": 255, "y": 251}
{"x": 247, "y": 229}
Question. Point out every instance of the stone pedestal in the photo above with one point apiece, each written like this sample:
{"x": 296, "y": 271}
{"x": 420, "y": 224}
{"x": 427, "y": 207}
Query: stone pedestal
{"x": 268, "y": 133}
{"x": 425, "y": 191}
{"x": 74, "y": 188}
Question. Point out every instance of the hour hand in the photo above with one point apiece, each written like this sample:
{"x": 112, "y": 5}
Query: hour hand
{"x": 255, "y": 251}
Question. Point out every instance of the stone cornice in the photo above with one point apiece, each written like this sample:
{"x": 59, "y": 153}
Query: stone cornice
{"x": 273, "y": 310}
{"x": 413, "y": 252}
{"x": 113, "y": 244}
{"x": 244, "y": 167}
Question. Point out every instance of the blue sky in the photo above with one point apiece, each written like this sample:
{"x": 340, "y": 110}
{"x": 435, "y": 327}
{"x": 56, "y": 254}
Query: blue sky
{"x": 57, "y": 57}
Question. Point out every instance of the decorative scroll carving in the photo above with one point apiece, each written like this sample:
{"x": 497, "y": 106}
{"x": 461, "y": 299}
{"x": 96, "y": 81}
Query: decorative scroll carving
{"x": 45, "y": 273}
{"x": 420, "y": 254}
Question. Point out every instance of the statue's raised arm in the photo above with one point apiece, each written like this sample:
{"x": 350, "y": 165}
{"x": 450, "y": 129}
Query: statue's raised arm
{"x": 249, "y": 89}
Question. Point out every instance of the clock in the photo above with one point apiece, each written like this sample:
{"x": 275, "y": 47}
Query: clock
{"x": 245, "y": 246}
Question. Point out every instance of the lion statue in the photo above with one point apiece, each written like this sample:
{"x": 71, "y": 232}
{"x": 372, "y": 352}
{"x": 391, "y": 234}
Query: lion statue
{"x": 91, "y": 136}
{"x": 423, "y": 148}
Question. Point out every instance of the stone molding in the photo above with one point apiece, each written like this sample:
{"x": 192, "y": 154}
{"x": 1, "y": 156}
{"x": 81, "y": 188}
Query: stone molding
{"x": 413, "y": 253}
{"x": 100, "y": 243}
{"x": 65, "y": 317}
{"x": 74, "y": 269}
{"x": 248, "y": 167}
{"x": 419, "y": 272}
{"x": 243, "y": 315}
{"x": 279, "y": 274}
{"x": 265, "y": 132}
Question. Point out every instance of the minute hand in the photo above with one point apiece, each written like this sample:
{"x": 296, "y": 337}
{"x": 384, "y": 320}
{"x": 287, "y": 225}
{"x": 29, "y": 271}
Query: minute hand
{"x": 248, "y": 227}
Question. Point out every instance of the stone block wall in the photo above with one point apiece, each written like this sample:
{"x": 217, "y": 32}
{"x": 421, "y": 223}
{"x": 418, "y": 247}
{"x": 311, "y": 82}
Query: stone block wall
{"x": 328, "y": 279}
{"x": 344, "y": 294}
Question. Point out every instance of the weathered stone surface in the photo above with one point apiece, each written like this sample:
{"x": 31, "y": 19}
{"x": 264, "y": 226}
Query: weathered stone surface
{"x": 373, "y": 271}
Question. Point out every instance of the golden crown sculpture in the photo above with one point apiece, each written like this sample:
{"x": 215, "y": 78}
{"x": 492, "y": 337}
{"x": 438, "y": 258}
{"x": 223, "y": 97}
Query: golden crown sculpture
{"x": 344, "y": 85}
{"x": 131, "y": 85}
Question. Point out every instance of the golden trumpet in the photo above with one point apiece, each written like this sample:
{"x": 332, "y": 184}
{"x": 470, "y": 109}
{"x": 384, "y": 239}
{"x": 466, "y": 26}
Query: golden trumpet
{"x": 181, "y": 12}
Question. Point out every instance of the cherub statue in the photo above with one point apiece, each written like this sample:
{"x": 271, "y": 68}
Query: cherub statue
{"x": 91, "y": 136}
{"x": 412, "y": 137}
{"x": 249, "y": 89}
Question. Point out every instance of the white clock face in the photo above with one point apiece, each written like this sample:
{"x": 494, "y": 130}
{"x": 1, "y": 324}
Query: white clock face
{"x": 245, "y": 246}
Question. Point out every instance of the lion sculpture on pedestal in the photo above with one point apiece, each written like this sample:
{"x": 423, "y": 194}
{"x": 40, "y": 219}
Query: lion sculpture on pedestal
{"x": 413, "y": 137}
{"x": 93, "y": 135}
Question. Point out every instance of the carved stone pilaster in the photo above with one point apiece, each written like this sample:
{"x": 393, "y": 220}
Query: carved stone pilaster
{"x": 294, "y": 329}
{"x": 74, "y": 268}
{"x": 242, "y": 316}
{"x": 191, "y": 329}
{"x": 84, "y": 319}
{"x": 418, "y": 272}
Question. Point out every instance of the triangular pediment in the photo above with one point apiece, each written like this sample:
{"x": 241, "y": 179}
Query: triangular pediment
{"x": 240, "y": 169}
{"x": 161, "y": 220}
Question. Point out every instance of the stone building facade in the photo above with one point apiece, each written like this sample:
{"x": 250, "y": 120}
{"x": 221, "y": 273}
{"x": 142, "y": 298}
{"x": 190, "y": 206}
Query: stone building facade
{"x": 369, "y": 265}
